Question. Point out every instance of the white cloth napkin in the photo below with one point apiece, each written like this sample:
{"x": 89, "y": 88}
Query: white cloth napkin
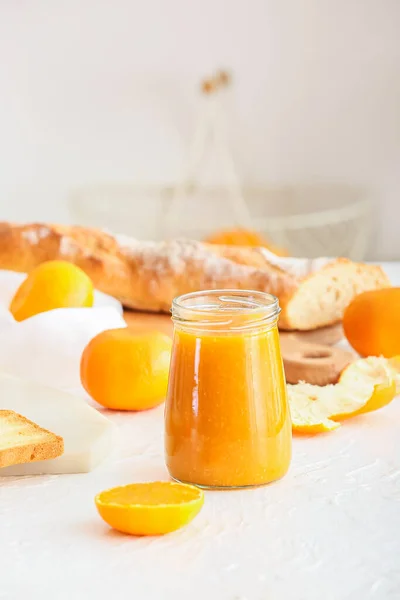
{"x": 47, "y": 348}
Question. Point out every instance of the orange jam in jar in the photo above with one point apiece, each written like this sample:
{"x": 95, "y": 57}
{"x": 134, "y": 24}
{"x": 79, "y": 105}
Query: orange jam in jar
{"x": 227, "y": 420}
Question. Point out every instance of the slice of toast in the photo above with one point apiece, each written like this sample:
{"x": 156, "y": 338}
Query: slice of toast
{"x": 22, "y": 441}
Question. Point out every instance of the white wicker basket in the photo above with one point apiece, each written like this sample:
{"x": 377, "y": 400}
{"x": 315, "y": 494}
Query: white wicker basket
{"x": 308, "y": 220}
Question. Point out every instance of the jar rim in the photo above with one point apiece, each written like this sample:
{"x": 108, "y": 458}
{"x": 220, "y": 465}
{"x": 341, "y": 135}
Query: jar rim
{"x": 225, "y": 308}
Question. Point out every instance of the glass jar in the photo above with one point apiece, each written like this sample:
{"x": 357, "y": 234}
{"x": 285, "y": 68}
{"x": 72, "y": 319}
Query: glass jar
{"x": 227, "y": 420}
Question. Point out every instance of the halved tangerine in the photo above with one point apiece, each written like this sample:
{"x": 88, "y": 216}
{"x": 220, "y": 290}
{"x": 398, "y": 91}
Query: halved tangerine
{"x": 152, "y": 508}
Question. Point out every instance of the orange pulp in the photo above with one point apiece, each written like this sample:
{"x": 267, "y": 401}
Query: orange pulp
{"x": 227, "y": 417}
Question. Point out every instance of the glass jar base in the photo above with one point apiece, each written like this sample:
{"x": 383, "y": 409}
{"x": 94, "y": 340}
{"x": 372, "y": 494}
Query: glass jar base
{"x": 225, "y": 488}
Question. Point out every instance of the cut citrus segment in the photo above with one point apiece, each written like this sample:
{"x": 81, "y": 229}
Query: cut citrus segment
{"x": 394, "y": 366}
{"x": 365, "y": 385}
{"x": 373, "y": 369}
{"x": 382, "y": 394}
{"x": 309, "y": 407}
{"x": 149, "y": 508}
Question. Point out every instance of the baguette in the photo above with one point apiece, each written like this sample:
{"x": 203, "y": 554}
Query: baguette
{"x": 22, "y": 441}
{"x": 146, "y": 276}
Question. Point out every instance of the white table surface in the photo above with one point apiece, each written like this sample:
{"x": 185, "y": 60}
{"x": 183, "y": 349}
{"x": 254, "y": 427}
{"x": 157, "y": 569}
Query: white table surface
{"x": 329, "y": 530}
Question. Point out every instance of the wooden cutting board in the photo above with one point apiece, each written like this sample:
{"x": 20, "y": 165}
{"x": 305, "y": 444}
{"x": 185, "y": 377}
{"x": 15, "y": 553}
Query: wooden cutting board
{"x": 307, "y": 355}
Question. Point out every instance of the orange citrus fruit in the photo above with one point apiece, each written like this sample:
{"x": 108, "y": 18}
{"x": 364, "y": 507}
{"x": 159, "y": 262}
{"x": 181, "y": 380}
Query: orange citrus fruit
{"x": 243, "y": 237}
{"x": 53, "y": 284}
{"x": 364, "y": 386}
{"x": 122, "y": 370}
{"x": 149, "y": 508}
{"x": 371, "y": 323}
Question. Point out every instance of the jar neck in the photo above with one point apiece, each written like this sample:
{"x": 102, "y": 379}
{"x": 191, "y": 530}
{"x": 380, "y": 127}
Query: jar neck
{"x": 225, "y": 311}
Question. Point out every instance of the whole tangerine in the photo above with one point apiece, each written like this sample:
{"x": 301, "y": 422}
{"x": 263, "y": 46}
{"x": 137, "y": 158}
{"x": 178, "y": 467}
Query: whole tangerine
{"x": 52, "y": 284}
{"x": 122, "y": 370}
{"x": 371, "y": 323}
{"x": 243, "y": 237}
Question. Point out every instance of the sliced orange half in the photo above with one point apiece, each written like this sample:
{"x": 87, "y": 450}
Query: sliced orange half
{"x": 365, "y": 385}
{"x": 149, "y": 508}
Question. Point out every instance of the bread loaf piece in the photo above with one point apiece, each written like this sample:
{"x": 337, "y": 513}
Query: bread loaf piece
{"x": 147, "y": 276}
{"x": 22, "y": 441}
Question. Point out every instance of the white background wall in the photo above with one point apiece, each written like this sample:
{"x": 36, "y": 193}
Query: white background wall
{"x": 95, "y": 90}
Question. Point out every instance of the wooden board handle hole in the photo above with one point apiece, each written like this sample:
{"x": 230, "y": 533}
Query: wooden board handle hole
{"x": 317, "y": 354}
